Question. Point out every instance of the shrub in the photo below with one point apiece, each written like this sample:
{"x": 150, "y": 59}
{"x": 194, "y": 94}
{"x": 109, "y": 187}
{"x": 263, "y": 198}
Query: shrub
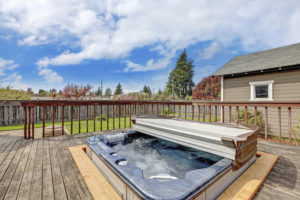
{"x": 103, "y": 117}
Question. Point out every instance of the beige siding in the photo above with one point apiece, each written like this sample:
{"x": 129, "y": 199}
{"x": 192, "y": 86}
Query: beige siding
{"x": 286, "y": 88}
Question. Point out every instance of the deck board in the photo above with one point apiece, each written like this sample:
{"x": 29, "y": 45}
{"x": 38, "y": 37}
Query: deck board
{"x": 22, "y": 170}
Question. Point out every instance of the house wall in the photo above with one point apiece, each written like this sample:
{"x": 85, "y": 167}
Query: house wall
{"x": 286, "y": 88}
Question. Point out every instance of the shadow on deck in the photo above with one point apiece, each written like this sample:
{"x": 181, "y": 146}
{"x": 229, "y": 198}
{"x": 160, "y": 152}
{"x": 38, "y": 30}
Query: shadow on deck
{"x": 44, "y": 169}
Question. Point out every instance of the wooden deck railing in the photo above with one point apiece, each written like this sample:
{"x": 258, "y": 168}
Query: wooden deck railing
{"x": 210, "y": 111}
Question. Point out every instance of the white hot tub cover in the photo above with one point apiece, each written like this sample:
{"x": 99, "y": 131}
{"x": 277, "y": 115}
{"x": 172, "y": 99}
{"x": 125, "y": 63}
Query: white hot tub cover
{"x": 234, "y": 142}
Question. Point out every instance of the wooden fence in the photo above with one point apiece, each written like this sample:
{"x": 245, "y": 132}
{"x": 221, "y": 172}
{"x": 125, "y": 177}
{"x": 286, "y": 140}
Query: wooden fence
{"x": 117, "y": 110}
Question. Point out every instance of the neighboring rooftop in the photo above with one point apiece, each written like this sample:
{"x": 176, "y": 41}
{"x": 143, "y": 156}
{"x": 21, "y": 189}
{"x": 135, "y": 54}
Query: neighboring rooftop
{"x": 273, "y": 58}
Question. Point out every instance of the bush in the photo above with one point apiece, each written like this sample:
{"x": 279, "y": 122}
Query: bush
{"x": 103, "y": 117}
{"x": 251, "y": 117}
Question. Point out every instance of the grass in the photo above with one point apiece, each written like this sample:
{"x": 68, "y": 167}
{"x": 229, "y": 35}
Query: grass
{"x": 76, "y": 125}
{"x": 91, "y": 124}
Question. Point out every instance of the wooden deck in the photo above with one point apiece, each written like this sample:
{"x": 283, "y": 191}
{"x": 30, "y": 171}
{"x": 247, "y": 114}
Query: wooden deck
{"x": 44, "y": 169}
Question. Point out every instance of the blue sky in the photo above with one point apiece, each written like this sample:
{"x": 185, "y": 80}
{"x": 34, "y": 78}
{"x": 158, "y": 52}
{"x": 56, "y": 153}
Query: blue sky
{"x": 48, "y": 44}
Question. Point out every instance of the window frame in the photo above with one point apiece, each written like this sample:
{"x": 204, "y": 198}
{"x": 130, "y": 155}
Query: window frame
{"x": 260, "y": 83}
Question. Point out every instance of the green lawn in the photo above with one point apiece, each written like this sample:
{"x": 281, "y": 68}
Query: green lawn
{"x": 91, "y": 124}
{"x": 76, "y": 125}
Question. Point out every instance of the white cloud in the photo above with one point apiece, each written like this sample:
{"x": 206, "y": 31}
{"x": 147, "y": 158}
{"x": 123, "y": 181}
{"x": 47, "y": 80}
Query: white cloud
{"x": 150, "y": 65}
{"x": 113, "y": 28}
{"x": 210, "y": 51}
{"x": 50, "y": 76}
{"x": 6, "y": 65}
{"x": 13, "y": 80}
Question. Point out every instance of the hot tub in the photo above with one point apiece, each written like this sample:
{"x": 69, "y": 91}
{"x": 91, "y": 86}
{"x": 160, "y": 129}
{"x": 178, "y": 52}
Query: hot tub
{"x": 141, "y": 166}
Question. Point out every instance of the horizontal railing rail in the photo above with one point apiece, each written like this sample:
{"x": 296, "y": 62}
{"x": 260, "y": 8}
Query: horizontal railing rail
{"x": 212, "y": 111}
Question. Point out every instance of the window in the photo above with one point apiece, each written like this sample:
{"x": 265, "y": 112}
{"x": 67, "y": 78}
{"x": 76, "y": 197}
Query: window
{"x": 261, "y": 91}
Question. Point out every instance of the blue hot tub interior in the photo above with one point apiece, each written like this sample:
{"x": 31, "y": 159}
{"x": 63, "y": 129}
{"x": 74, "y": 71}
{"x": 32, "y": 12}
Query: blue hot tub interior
{"x": 156, "y": 168}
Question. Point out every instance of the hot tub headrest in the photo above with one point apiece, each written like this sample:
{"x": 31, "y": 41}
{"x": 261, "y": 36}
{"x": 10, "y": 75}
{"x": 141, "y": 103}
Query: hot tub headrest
{"x": 113, "y": 138}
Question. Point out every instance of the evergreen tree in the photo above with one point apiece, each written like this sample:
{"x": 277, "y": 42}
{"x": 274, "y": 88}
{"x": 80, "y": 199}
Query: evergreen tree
{"x": 182, "y": 75}
{"x": 147, "y": 90}
{"x": 107, "y": 92}
{"x": 98, "y": 92}
{"x": 118, "y": 90}
{"x": 159, "y": 92}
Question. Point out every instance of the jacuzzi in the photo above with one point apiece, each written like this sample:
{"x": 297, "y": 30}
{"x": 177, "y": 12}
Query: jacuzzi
{"x": 141, "y": 166}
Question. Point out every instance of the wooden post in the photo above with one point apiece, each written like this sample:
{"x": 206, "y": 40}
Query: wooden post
{"x": 71, "y": 119}
{"x": 168, "y": 109}
{"x": 140, "y": 108}
{"x": 203, "y": 113}
{"x": 144, "y": 105}
{"x": 255, "y": 114}
{"x": 209, "y": 113}
{"x": 179, "y": 114}
{"x": 113, "y": 114}
{"x": 94, "y": 118}
{"x": 163, "y": 109}
{"x": 266, "y": 125}
{"x": 79, "y": 124}
{"x": 134, "y": 109}
{"x": 53, "y": 120}
{"x": 33, "y": 122}
{"x": 29, "y": 122}
{"x": 63, "y": 120}
{"x": 44, "y": 112}
{"x": 246, "y": 114}
{"x": 130, "y": 114}
{"x": 107, "y": 117}
{"x": 237, "y": 115}
{"x": 120, "y": 115}
{"x": 174, "y": 110}
{"x": 290, "y": 124}
{"x": 222, "y": 120}
{"x": 157, "y": 109}
{"x": 198, "y": 112}
{"x": 184, "y": 111}
{"x": 87, "y": 118}
{"x": 193, "y": 110}
{"x": 100, "y": 113}
{"x": 279, "y": 123}
{"x": 229, "y": 114}
{"x": 25, "y": 122}
{"x": 216, "y": 114}
{"x": 152, "y": 109}
{"x": 125, "y": 115}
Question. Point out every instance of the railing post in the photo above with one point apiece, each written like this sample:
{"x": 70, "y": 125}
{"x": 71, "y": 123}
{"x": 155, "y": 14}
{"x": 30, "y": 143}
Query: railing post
{"x": 163, "y": 109}
{"x": 29, "y": 122}
{"x": 63, "y": 120}
{"x": 25, "y": 122}
{"x": 130, "y": 114}
{"x": 174, "y": 110}
{"x": 168, "y": 109}
{"x": 290, "y": 124}
{"x": 113, "y": 114}
{"x": 79, "y": 124}
{"x": 152, "y": 108}
{"x": 100, "y": 113}
{"x": 279, "y": 123}
{"x": 53, "y": 120}
{"x": 125, "y": 115}
{"x": 157, "y": 109}
{"x": 203, "y": 113}
{"x": 237, "y": 115}
{"x": 209, "y": 113}
{"x": 71, "y": 119}
{"x": 179, "y": 114}
{"x": 33, "y": 122}
{"x": 266, "y": 125}
{"x": 44, "y": 113}
{"x": 198, "y": 112}
{"x": 134, "y": 109}
{"x": 120, "y": 115}
{"x": 246, "y": 114}
{"x": 193, "y": 112}
{"x": 87, "y": 118}
{"x": 222, "y": 114}
{"x": 229, "y": 112}
{"x": 185, "y": 111}
{"x": 216, "y": 114}
{"x": 94, "y": 117}
{"x": 107, "y": 117}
